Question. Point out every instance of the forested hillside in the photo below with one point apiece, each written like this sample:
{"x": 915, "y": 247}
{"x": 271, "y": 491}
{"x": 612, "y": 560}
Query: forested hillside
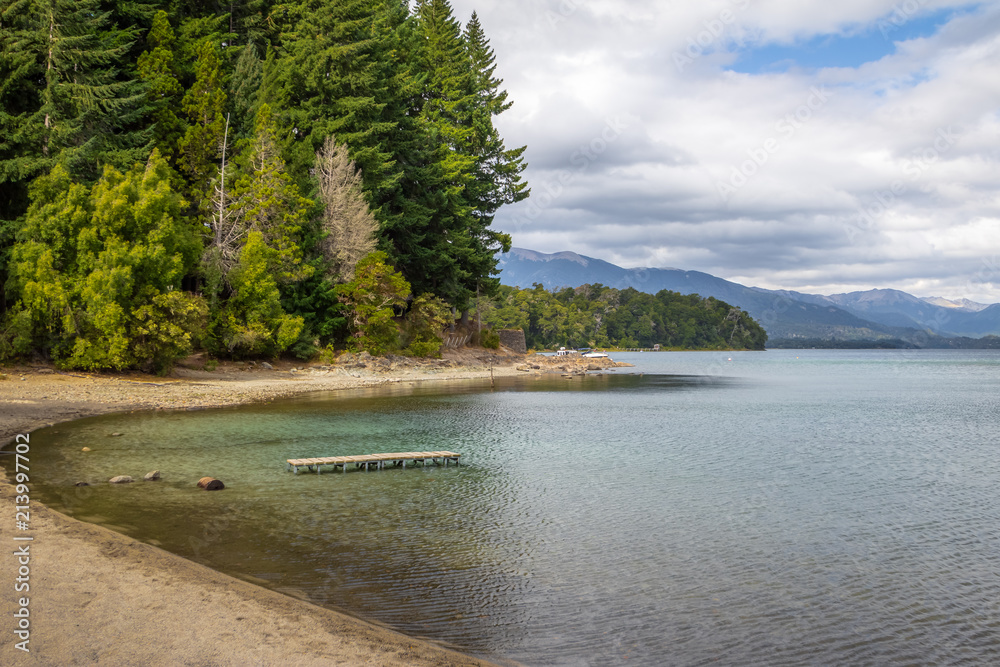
{"x": 251, "y": 177}
{"x": 599, "y": 316}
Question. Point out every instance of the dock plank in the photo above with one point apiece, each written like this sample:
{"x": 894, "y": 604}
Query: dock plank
{"x": 378, "y": 459}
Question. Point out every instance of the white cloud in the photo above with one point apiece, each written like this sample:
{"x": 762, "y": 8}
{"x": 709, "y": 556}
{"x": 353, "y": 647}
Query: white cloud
{"x": 883, "y": 175}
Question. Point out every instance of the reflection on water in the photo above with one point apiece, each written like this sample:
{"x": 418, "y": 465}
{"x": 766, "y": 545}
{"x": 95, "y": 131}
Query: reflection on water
{"x": 815, "y": 507}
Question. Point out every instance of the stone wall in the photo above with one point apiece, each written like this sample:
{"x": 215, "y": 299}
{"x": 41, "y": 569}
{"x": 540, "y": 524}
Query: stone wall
{"x": 513, "y": 340}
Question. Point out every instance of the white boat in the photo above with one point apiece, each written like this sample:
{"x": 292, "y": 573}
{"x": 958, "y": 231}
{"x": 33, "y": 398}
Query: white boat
{"x": 596, "y": 355}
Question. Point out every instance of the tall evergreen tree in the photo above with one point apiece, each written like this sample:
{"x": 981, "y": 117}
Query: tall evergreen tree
{"x": 335, "y": 87}
{"x": 266, "y": 200}
{"x": 164, "y": 91}
{"x": 204, "y": 104}
{"x": 496, "y": 178}
{"x": 67, "y": 92}
{"x": 244, "y": 92}
{"x": 459, "y": 99}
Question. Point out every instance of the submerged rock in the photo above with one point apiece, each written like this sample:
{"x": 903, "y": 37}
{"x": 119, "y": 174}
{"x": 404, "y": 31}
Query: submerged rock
{"x": 82, "y": 484}
{"x": 211, "y": 484}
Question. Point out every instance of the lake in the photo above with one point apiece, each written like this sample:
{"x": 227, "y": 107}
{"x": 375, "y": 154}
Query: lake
{"x": 783, "y": 508}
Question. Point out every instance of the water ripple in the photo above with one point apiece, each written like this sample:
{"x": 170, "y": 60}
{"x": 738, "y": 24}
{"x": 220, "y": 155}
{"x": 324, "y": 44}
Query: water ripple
{"x": 829, "y": 509}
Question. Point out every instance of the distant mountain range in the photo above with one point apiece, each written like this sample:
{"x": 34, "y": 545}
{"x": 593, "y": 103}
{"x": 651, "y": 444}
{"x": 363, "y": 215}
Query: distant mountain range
{"x": 874, "y": 314}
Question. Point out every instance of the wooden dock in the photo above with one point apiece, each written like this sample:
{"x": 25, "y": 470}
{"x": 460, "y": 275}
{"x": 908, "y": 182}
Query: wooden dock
{"x": 378, "y": 461}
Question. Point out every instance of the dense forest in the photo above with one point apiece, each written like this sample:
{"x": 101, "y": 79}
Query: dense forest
{"x": 257, "y": 178}
{"x": 250, "y": 177}
{"x": 599, "y": 316}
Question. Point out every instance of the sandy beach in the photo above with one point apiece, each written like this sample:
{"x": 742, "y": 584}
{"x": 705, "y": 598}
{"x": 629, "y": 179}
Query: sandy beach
{"x": 97, "y": 597}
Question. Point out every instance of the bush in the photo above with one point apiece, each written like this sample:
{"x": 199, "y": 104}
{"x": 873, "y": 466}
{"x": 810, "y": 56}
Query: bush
{"x": 252, "y": 323}
{"x": 426, "y": 348}
{"x": 490, "y": 340}
{"x": 370, "y": 299}
{"x": 97, "y": 271}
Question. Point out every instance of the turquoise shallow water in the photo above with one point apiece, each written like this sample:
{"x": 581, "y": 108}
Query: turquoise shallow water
{"x": 787, "y": 507}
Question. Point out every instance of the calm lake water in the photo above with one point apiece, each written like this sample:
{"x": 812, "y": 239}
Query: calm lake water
{"x": 781, "y": 508}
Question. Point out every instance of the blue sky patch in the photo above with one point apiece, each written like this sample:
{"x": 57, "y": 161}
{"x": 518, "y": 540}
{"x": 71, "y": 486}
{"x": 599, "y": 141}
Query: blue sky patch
{"x": 851, "y": 49}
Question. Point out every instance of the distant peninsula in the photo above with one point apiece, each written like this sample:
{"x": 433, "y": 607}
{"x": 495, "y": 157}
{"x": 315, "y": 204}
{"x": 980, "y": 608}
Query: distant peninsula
{"x": 605, "y": 317}
{"x": 873, "y": 318}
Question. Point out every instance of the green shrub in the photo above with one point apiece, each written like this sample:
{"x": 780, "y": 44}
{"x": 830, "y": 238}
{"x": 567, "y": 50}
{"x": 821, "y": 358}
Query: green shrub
{"x": 252, "y": 323}
{"x": 490, "y": 340}
{"x": 424, "y": 348}
{"x": 370, "y": 298}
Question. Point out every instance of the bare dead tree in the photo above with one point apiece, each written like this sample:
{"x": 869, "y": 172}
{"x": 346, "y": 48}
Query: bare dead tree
{"x": 228, "y": 230}
{"x": 348, "y": 222}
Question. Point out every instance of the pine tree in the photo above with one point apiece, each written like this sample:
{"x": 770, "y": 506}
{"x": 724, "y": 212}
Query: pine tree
{"x": 335, "y": 86}
{"x": 245, "y": 85}
{"x": 204, "y": 104}
{"x": 463, "y": 252}
{"x": 266, "y": 200}
{"x": 164, "y": 92}
{"x": 496, "y": 178}
{"x": 67, "y": 93}
{"x": 20, "y": 45}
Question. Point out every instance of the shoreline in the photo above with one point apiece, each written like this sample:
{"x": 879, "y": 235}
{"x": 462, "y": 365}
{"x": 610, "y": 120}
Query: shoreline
{"x": 102, "y": 597}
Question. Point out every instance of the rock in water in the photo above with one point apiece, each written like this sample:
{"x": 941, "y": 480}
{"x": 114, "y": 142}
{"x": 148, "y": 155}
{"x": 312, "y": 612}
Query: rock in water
{"x": 85, "y": 449}
{"x": 211, "y": 484}
{"x": 121, "y": 479}
{"x": 151, "y": 476}
{"x": 81, "y": 484}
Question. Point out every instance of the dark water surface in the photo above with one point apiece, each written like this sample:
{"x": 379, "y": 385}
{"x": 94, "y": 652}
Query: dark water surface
{"x": 787, "y": 507}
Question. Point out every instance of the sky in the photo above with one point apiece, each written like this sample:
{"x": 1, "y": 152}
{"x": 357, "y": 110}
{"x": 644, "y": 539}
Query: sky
{"x": 811, "y": 145}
